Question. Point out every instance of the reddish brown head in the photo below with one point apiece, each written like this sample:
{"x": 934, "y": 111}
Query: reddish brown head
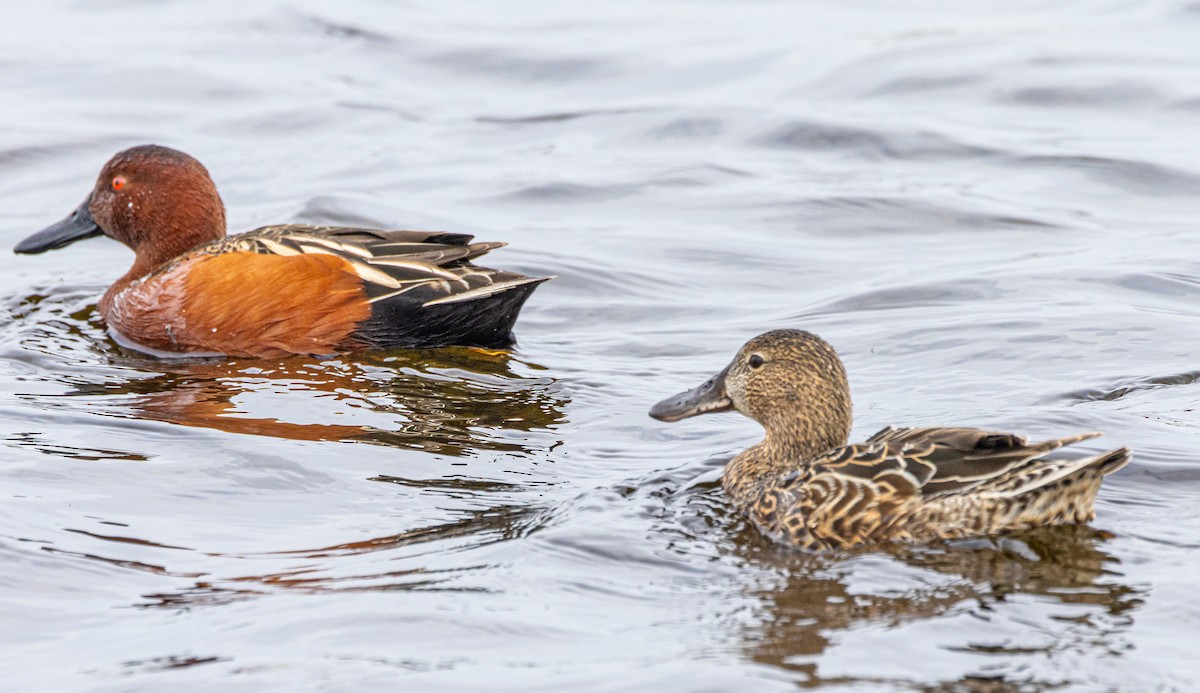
{"x": 158, "y": 201}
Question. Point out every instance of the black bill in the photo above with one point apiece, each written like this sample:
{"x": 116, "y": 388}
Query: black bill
{"x": 709, "y": 397}
{"x": 76, "y": 227}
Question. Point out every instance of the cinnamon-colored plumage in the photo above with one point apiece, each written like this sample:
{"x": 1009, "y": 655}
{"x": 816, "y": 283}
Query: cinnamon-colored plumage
{"x": 231, "y": 303}
{"x": 291, "y": 289}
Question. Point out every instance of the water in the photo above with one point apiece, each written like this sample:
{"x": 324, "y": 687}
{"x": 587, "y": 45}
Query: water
{"x": 988, "y": 208}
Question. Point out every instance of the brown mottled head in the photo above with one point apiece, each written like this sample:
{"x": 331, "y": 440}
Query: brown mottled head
{"x": 790, "y": 381}
{"x": 158, "y": 201}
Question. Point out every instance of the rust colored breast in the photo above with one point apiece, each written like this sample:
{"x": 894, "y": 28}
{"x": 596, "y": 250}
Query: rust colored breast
{"x": 241, "y": 304}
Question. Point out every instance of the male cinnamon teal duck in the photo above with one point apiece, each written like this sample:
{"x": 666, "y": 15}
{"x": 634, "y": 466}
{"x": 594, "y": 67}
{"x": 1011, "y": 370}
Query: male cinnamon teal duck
{"x": 803, "y": 485}
{"x": 277, "y": 290}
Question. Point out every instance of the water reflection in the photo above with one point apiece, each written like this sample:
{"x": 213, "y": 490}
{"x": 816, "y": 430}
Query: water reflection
{"x": 1060, "y": 582}
{"x": 456, "y": 401}
{"x": 386, "y": 562}
{"x": 824, "y": 600}
{"x": 453, "y": 401}
{"x": 37, "y": 441}
{"x": 449, "y": 401}
{"x": 348, "y": 566}
{"x": 500, "y": 522}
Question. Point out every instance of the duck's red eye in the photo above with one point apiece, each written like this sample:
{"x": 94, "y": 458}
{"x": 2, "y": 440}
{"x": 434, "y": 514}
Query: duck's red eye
{"x": 118, "y": 182}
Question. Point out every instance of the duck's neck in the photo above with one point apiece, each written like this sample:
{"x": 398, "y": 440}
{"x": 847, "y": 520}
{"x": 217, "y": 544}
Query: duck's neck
{"x": 159, "y": 228}
{"x": 761, "y": 466}
{"x": 152, "y": 254}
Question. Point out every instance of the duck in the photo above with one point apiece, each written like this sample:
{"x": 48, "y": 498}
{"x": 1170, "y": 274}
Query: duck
{"x": 805, "y": 486}
{"x": 277, "y": 290}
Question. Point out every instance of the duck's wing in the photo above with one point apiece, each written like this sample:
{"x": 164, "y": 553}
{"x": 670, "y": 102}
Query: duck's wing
{"x": 434, "y": 265}
{"x": 965, "y": 439}
{"x": 862, "y": 493}
{"x": 422, "y": 287}
{"x": 939, "y": 460}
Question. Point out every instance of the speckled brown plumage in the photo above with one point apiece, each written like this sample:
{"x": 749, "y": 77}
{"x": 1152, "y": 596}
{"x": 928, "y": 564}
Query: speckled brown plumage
{"x": 804, "y": 486}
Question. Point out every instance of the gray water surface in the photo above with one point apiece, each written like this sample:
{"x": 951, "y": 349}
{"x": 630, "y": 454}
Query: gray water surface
{"x": 989, "y": 208}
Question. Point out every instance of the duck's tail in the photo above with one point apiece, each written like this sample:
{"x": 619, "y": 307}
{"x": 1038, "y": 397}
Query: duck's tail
{"x": 1110, "y": 462}
{"x": 479, "y": 317}
{"x": 1057, "y": 491}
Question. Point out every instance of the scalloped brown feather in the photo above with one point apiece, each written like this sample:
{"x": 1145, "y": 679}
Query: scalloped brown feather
{"x": 915, "y": 490}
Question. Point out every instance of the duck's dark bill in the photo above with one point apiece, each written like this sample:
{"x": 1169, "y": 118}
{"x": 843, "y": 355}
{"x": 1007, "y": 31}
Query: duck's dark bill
{"x": 709, "y": 397}
{"x": 76, "y": 227}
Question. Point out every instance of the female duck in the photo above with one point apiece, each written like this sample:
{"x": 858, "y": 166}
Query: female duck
{"x": 803, "y": 485}
{"x": 278, "y": 290}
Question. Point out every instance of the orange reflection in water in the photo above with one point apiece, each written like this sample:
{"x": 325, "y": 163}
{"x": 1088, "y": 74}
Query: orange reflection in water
{"x": 450, "y": 401}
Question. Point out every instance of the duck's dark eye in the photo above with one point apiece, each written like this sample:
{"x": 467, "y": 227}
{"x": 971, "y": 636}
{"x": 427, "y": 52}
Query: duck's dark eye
{"x": 756, "y": 361}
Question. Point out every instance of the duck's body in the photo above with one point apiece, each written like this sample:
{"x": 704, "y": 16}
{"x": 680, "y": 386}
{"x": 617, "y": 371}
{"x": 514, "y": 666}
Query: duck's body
{"x": 919, "y": 485}
{"x": 299, "y": 289}
{"x": 278, "y": 290}
{"x": 805, "y": 487}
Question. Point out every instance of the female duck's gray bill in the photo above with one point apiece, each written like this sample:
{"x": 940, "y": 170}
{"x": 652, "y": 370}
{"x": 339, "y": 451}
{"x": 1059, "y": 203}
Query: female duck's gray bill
{"x": 709, "y": 397}
{"x": 76, "y": 227}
